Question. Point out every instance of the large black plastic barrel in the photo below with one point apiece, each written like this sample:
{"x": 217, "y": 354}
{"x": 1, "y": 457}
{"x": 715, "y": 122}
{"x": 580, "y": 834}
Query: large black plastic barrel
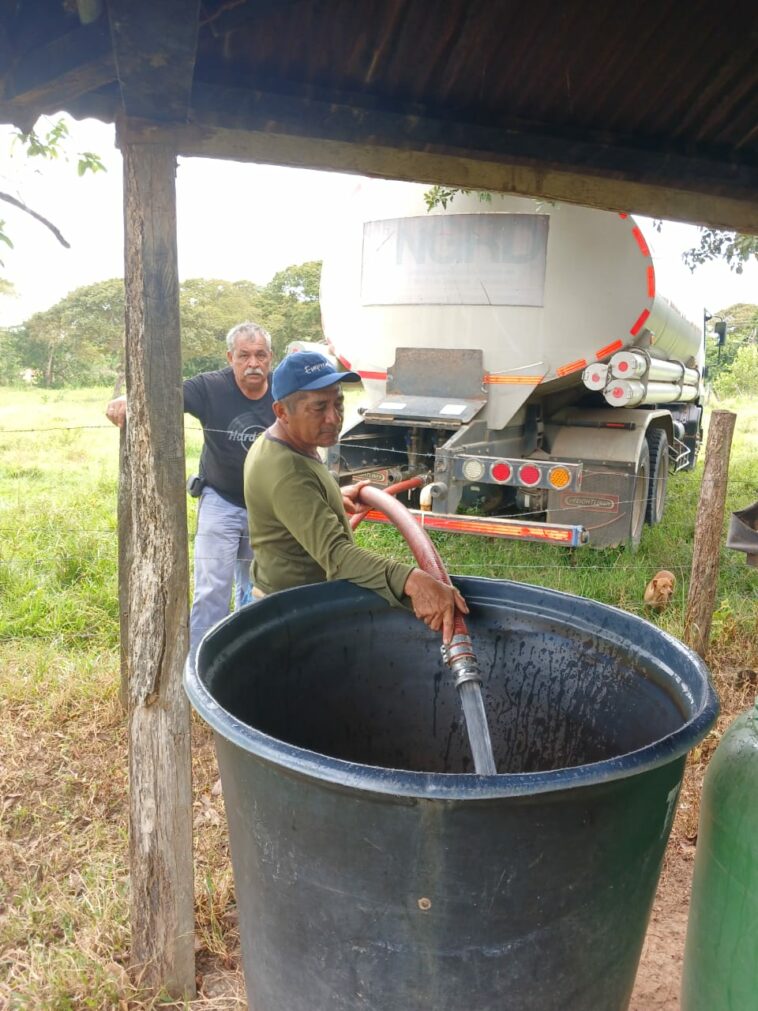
{"x": 372, "y": 871}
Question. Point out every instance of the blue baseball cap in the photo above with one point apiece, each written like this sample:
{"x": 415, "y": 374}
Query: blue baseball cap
{"x": 306, "y": 370}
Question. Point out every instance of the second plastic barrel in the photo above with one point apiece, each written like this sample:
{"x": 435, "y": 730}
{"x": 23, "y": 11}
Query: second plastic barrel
{"x": 372, "y": 872}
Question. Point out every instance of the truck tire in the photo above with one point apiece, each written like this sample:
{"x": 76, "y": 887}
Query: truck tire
{"x": 640, "y": 495}
{"x": 658, "y": 447}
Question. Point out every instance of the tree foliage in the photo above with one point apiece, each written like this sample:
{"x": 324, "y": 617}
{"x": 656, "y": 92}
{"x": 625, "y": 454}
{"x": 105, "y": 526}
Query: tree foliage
{"x": 729, "y": 366}
{"x": 208, "y": 309}
{"x": 441, "y": 196}
{"x": 79, "y": 341}
{"x": 290, "y": 306}
{"x": 735, "y": 249}
{"x": 741, "y": 379}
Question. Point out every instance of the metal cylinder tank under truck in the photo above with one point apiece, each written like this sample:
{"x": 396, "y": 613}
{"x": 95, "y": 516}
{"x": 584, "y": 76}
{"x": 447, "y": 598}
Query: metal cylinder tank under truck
{"x": 518, "y": 355}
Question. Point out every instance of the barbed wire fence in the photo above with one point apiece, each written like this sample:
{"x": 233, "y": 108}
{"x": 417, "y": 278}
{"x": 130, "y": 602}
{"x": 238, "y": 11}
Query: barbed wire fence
{"x": 13, "y": 536}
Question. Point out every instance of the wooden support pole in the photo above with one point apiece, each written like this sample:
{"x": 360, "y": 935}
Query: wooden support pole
{"x": 124, "y": 560}
{"x": 701, "y": 598}
{"x": 160, "y": 844}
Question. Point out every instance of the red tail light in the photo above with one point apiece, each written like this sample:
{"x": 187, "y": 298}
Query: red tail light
{"x": 529, "y": 475}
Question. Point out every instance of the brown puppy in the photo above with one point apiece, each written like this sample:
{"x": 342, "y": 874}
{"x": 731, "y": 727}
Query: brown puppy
{"x": 659, "y": 590}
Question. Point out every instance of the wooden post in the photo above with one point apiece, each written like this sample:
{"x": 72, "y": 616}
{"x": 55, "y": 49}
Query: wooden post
{"x": 160, "y": 845}
{"x": 701, "y": 598}
{"x": 124, "y": 551}
{"x": 124, "y": 511}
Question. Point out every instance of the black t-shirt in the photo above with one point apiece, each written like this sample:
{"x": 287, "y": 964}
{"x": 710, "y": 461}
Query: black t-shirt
{"x": 231, "y": 424}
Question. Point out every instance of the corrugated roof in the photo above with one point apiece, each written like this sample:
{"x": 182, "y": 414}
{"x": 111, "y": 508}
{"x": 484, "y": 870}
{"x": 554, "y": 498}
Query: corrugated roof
{"x": 660, "y": 96}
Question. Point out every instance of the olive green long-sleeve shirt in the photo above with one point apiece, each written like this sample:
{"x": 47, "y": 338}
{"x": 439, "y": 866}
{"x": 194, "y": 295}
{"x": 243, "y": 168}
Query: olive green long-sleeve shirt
{"x": 299, "y": 529}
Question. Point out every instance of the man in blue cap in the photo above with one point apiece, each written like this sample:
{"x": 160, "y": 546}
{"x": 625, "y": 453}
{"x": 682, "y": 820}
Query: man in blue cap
{"x": 299, "y": 528}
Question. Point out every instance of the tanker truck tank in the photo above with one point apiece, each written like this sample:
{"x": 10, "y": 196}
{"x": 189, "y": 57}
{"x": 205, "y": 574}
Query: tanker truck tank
{"x": 472, "y": 328}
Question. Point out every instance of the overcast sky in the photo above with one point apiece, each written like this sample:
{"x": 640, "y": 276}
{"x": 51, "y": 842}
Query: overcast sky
{"x": 236, "y": 221}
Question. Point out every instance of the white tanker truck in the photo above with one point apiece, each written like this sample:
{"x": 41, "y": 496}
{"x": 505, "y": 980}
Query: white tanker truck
{"x": 519, "y": 357}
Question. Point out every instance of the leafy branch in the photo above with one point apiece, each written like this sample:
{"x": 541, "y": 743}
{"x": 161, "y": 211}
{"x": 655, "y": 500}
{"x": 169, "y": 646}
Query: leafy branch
{"x": 734, "y": 248}
{"x": 50, "y": 146}
{"x": 441, "y": 196}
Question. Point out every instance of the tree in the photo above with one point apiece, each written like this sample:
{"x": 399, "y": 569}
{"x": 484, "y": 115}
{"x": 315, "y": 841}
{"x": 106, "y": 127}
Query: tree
{"x": 290, "y": 308}
{"x": 287, "y": 307}
{"x": 741, "y": 322}
{"x": 79, "y": 341}
{"x": 209, "y": 308}
{"x": 12, "y": 354}
{"x": 741, "y": 380}
{"x": 730, "y": 366}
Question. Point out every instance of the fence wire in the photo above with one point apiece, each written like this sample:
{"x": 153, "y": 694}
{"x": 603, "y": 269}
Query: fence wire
{"x": 526, "y": 515}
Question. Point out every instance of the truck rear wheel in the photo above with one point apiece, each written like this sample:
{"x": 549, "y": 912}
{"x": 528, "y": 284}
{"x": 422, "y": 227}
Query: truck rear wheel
{"x": 658, "y": 447}
{"x": 640, "y": 495}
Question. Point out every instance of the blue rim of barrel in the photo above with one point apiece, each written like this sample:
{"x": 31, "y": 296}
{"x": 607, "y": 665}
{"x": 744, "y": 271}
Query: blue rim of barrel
{"x": 586, "y": 616}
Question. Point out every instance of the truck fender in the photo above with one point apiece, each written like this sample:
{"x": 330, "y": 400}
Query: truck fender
{"x": 611, "y": 503}
{"x": 582, "y": 435}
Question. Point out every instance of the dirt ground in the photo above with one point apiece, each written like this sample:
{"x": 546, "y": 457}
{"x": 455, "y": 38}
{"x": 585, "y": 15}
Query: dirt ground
{"x": 659, "y": 976}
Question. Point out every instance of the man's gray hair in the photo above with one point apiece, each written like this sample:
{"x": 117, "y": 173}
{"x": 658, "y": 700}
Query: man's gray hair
{"x": 248, "y": 330}
{"x": 293, "y": 399}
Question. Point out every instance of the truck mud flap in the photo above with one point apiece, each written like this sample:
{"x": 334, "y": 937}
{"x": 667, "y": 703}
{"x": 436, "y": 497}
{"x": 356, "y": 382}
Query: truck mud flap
{"x": 604, "y": 506}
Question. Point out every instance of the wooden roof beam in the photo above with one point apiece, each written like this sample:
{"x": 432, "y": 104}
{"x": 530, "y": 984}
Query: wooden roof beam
{"x": 296, "y": 131}
{"x": 155, "y": 45}
{"x": 52, "y": 76}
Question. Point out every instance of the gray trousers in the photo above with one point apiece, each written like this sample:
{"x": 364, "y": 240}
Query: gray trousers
{"x": 222, "y": 561}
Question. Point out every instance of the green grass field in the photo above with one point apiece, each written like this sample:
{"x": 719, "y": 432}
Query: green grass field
{"x": 58, "y": 474}
{"x": 63, "y": 863}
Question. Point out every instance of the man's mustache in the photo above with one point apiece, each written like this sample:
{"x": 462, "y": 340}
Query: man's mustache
{"x": 253, "y": 372}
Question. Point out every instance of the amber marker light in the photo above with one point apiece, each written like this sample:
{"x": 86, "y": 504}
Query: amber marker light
{"x": 559, "y": 477}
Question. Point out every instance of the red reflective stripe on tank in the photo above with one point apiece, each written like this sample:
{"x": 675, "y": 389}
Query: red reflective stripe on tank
{"x": 609, "y": 349}
{"x": 641, "y": 241}
{"x": 371, "y": 375}
{"x": 345, "y": 362}
{"x": 640, "y": 322}
{"x": 569, "y": 367}
{"x": 622, "y": 215}
{"x": 651, "y": 282}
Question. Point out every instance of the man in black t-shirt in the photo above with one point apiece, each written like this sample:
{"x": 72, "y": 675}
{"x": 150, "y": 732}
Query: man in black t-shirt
{"x": 233, "y": 406}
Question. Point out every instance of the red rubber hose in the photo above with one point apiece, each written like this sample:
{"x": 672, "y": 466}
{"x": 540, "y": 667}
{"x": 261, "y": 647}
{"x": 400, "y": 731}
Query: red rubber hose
{"x": 418, "y": 540}
{"x": 393, "y": 489}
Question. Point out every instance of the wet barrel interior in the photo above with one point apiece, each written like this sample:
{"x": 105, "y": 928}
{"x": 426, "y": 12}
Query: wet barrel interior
{"x": 367, "y": 684}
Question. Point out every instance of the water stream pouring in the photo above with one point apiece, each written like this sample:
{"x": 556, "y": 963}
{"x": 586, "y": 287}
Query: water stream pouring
{"x": 459, "y": 654}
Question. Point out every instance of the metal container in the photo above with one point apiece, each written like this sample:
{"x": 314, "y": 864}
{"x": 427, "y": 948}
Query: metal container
{"x": 373, "y": 871}
{"x": 542, "y": 289}
{"x": 721, "y": 954}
